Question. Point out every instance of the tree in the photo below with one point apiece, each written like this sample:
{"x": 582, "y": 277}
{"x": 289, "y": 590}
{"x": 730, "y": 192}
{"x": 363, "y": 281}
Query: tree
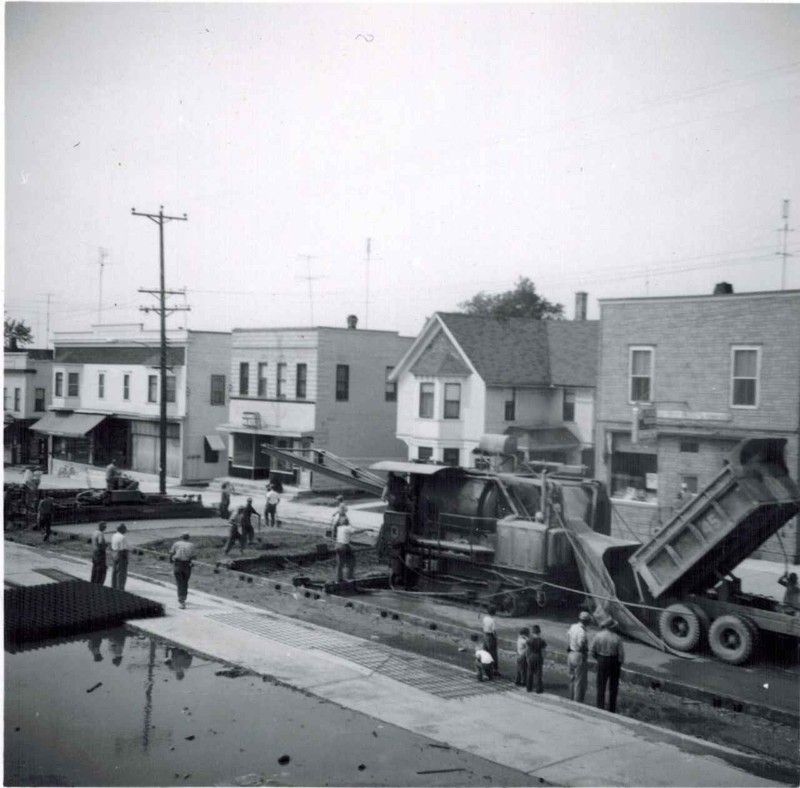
{"x": 17, "y": 334}
{"x": 522, "y": 301}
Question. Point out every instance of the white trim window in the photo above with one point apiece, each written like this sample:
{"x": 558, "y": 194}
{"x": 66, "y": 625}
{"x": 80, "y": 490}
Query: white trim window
{"x": 452, "y": 400}
{"x": 426, "y": 400}
{"x": 745, "y": 376}
{"x": 101, "y": 385}
{"x": 641, "y": 361}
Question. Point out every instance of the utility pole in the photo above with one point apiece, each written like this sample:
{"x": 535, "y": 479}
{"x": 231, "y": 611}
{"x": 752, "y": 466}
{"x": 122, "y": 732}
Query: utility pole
{"x": 160, "y": 219}
{"x": 102, "y": 257}
{"x": 48, "y": 296}
{"x": 366, "y": 293}
{"x": 784, "y": 253}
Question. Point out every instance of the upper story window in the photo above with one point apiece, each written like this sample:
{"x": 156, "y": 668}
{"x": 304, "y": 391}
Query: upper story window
{"x": 641, "y": 374}
{"x": 425, "y": 452}
{"x": 171, "y": 388}
{"x": 745, "y": 373}
{"x": 451, "y": 457}
{"x": 510, "y": 410}
{"x": 5, "y": 398}
{"x": 300, "y": 383}
{"x": 38, "y": 399}
{"x": 568, "y": 410}
{"x": 390, "y": 392}
{"x": 73, "y": 384}
{"x": 152, "y": 388}
{"x": 126, "y": 386}
{"x": 218, "y": 389}
{"x": 342, "y": 382}
{"x": 58, "y": 385}
{"x": 280, "y": 391}
{"x": 101, "y": 385}
{"x": 452, "y": 400}
{"x": 262, "y": 378}
{"x": 17, "y": 398}
{"x": 244, "y": 379}
{"x": 426, "y": 401}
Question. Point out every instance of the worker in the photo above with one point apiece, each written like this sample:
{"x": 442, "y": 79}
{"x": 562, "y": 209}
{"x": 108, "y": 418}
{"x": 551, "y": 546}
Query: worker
{"x": 247, "y": 512}
{"x": 791, "y": 598}
{"x": 522, "y": 660}
{"x": 119, "y": 557}
{"x": 44, "y": 516}
{"x": 345, "y": 557}
{"x": 99, "y": 547}
{"x": 535, "y": 646}
{"x": 490, "y": 636}
{"x": 339, "y": 516}
{"x": 235, "y": 534}
{"x": 180, "y": 556}
{"x": 609, "y": 652}
{"x": 225, "y": 501}
{"x": 271, "y": 508}
{"x": 577, "y": 653}
{"x": 112, "y": 475}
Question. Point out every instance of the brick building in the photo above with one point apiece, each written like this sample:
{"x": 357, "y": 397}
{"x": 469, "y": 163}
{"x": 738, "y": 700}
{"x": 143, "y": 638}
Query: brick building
{"x": 695, "y": 374}
{"x": 297, "y": 388}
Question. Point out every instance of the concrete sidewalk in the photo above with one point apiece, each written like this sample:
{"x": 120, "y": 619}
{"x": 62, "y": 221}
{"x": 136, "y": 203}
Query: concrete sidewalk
{"x": 544, "y": 736}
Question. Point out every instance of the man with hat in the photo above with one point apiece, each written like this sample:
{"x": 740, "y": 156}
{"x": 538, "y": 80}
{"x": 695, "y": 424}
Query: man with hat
{"x": 609, "y": 652}
{"x": 577, "y": 656}
{"x": 180, "y": 556}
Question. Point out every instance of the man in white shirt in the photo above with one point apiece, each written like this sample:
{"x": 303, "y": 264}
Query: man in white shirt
{"x": 119, "y": 557}
{"x": 345, "y": 558}
{"x": 180, "y": 555}
{"x": 490, "y": 637}
{"x": 271, "y": 510}
{"x": 577, "y": 656}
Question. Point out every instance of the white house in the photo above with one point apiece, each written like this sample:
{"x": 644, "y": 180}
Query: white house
{"x": 26, "y": 392}
{"x": 105, "y": 401}
{"x": 466, "y": 375}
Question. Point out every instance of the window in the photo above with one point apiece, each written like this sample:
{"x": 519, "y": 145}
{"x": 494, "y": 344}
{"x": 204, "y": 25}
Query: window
{"x": 300, "y": 382}
{"x": 38, "y": 399}
{"x": 101, "y": 385}
{"x": 426, "y": 400}
{"x": 634, "y": 477}
{"x": 218, "y": 389}
{"x": 689, "y": 447}
{"x": 510, "y": 413}
{"x": 342, "y": 382}
{"x": 58, "y": 386}
{"x": 209, "y": 455}
{"x": 17, "y": 397}
{"x": 280, "y": 391}
{"x": 171, "y": 388}
{"x": 126, "y": 386}
{"x": 152, "y": 388}
{"x": 390, "y": 392}
{"x": 568, "y": 409}
{"x": 691, "y": 484}
{"x": 641, "y": 374}
{"x": 244, "y": 378}
{"x": 73, "y": 384}
{"x": 745, "y": 369}
{"x": 452, "y": 400}
{"x": 425, "y": 452}
{"x": 262, "y": 378}
{"x": 451, "y": 457}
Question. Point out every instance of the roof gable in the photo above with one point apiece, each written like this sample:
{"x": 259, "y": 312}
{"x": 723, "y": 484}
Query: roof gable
{"x": 440, "y": 357}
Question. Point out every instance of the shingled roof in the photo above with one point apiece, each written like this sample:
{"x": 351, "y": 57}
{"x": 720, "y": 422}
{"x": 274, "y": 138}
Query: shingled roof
{"x": 526, "y": 352}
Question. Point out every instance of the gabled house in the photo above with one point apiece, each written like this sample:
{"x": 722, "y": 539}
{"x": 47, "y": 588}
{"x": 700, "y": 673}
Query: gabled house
{"x": 465, "y": 376}
{"x": 26, "y": 393}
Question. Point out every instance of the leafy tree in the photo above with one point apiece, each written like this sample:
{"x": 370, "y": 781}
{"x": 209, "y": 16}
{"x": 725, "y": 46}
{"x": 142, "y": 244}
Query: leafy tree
{"x": 17, "y": 334}
{"x": 522, "y": 301}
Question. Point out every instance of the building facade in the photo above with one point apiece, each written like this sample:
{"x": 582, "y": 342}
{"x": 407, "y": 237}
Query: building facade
{"x": 298, "y": 388}
{"x": 682, "y": 380}
{"x": 106, "y": 394}
{"x": 26, "y": 393}
{"x": 466, "y": 376}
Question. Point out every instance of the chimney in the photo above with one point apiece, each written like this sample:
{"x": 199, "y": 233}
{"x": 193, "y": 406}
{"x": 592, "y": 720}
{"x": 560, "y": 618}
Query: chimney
{"x": 723, "y": 288}
{"x": 580, "y": 305}
{"x": 352, "y": 321}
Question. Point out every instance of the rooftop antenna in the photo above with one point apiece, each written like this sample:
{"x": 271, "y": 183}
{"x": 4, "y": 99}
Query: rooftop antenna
{"x": 102, "y": 262}
{"x": 784, "y": 253}
{"x": 308, "y": 258}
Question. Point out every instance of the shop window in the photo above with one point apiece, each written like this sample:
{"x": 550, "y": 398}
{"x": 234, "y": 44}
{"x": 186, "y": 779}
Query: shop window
{"x": 451, "y": 457}
{"x": 152, "y": 388}
{"x": 281, "y": 382}
{"x": 38, "y": 400}
{"x": 424, "y": 453}
{"x": 73, "y": 384}
{"x": 262, "y": 378}
{"x": 218, "y": 389}
{"x": 510, "y": 411}
{"x": 568, "y": 409}
{"x": 58, "y": 385}
{"x": 426, "y": 400}
{"x": 244, "y": 379}
{"x": 390, "y": 391}
{"x": 452, "y": 400}
{"x": 171, "y": 388}
{"x": 342, "y": 382}
{"x": 641, "y": 374}
{"x": 745, "y": 368}
{"x": 300, "y": 381}
{"x": 634, "y": 477}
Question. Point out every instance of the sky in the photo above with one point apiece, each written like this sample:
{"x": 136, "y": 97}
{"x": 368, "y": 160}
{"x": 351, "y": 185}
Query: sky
{"x": 620, "y": 150}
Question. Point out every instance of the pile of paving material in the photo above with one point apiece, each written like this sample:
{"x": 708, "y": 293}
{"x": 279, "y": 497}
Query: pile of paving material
{"x": 69, "y": 608}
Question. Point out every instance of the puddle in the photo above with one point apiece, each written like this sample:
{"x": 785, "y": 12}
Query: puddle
{"x": 119, "y": 708}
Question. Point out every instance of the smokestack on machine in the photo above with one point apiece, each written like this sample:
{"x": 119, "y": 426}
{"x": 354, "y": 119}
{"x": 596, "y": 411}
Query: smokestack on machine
{"x": 352, "y": 321}
{"x": 723, "y": 288}
{"x": 581, "y": 299}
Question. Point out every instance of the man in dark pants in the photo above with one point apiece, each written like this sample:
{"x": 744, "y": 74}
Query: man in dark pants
{"x": 99, "y": 547}
{"x": 235, "y": 533}
{"x": 119, "y": 557}
{"x": 248, "y": 511}
{"x": 535, "y": 646}
{"x": 180, "y": 556}
{"x": 609, "y": 652}
{"x": 44, "y": 516}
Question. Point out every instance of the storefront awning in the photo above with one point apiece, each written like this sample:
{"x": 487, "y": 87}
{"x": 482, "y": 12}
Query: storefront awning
{"x": 73, "y": 425}
{"x": 543, "y": 438}
{"x": 215, "y": 443}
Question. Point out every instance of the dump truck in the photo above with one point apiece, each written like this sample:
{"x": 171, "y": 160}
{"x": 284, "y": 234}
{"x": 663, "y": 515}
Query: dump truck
{"x": 685, "y": 570}
{"x": 499, "y": 534}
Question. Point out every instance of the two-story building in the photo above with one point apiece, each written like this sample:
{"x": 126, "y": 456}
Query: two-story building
{"x": 468, "y": 375}
{"x": 26, "y": 392}
{"x": 318, "y": 387}
{"x": 682, "y": 380}
{"x": 105, "y": 401}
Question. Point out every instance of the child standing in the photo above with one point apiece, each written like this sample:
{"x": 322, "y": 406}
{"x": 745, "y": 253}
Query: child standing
{"x": 522, "y": 658}
{"x": 535, "y": 646}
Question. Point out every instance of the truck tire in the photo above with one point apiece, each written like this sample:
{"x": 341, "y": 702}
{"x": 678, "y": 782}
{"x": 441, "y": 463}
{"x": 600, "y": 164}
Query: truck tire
{"x": 680, "y": 627}
{"x": 731, "y": 639}
{"x": 703, "y": 618}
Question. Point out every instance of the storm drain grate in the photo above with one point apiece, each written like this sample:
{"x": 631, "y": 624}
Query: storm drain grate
{"x": 437, "y": 678}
